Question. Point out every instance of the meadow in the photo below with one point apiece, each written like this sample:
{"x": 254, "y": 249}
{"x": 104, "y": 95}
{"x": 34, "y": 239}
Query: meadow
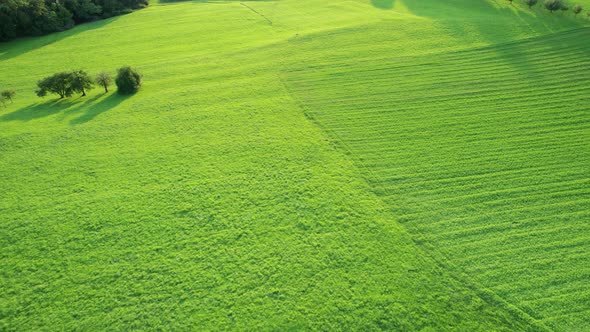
{"x": 302, "y": 165}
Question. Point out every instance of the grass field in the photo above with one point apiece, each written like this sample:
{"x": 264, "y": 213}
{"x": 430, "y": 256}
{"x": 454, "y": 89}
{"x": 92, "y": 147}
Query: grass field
{"x": 289, "y": 165}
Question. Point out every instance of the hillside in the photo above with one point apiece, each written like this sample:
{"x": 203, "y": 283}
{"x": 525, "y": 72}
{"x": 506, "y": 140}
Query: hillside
{"x": 344, "y": 165}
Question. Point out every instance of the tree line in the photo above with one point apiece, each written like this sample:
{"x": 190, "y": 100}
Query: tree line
{"x": 555, "y": 5}
{"x": 21, "y": 18}
{"x": 65, "y": 84}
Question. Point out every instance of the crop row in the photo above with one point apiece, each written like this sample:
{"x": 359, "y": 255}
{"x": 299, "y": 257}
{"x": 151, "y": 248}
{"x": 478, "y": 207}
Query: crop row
{"x": 482, "y": 154}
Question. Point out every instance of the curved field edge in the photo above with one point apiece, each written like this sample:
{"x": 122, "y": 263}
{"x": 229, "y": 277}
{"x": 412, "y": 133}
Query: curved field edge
{"x": 482, "y": 154}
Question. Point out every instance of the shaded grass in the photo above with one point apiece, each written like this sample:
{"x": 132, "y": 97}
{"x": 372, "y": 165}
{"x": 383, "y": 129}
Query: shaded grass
{"x": 104, "y": 105}
{"x": 86, "y": 110}
{"x": 24, "y": 45}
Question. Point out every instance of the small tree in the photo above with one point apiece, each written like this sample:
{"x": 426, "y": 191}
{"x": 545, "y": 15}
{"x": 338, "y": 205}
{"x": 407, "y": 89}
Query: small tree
{"x": 531, "y": 3}
{"x": 578, "y": 9}
{"x": 81, "y": 81}
{"x": 553, "y": 5}
{"x": 565, "y": 7}
{"x": 104, "y": 79}
{"x": 7, "y": 95}
{"x": 60, "y": 84}
{"x": 128, "y": 80}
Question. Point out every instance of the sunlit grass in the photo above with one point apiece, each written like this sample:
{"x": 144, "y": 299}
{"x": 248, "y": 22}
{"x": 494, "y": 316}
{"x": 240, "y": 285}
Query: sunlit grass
{"x": 354, "y": 165}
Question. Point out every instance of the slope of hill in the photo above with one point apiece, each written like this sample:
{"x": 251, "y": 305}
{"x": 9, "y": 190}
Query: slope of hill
{"x": 402, "y": 165}
{"x": 482, "y": 154}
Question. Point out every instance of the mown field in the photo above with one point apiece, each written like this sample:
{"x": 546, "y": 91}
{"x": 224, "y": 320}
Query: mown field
{"x": 351, "y": 165}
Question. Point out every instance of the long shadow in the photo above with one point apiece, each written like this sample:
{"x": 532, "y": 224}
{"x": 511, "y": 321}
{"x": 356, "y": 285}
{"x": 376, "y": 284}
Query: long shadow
{"x": 104, "y": 105}
{"x": 88, "y": 108}
{"x": 37, "y": 110}
{"x": 453, "y": 14}
{"x": 456, "y": 18}
{"x": 21, "y": 46}
{"x": 80, "y": 106}
{"x": 383, "y": 4}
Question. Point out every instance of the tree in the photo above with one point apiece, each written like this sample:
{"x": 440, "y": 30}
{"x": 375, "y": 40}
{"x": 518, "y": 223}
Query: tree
{"x": 19, "y": 18}
{"x": 104, "y": 79}
{"x": 81, "y": 81}
{"x": 7, "y": 95}
{"x": 60, "y": 84}
{"x": 578, "y": 9}
{"x": 531, "y": 3}
{"x": 128, "y": 80}
{"x": 553, "y": 5}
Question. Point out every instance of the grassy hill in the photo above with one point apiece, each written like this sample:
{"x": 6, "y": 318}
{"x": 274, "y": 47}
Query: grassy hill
{"x": 364, "y": 165}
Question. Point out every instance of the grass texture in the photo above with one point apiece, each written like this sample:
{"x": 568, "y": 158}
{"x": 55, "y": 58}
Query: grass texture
{"x": 302, "y": 165}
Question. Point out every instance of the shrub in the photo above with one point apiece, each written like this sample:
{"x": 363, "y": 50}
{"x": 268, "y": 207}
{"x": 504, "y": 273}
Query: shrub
{"x": 553, "y": 5}
{"x": 531, "y": 3}
{"x": 128, "y": 80}
{"x": 578, "y": 9}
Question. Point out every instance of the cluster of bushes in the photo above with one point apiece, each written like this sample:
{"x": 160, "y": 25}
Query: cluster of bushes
{"x": 20, "y": 18}
{"x": 65, "y": 84}
{"x": 555, "y": 5}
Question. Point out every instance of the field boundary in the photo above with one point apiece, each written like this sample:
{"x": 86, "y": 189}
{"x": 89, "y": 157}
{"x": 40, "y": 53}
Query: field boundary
{"x": 440, "y": 260}
{"x": 257, "y": 12}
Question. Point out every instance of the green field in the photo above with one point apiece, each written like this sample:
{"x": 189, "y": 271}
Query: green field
{"x": 302, "y": 165}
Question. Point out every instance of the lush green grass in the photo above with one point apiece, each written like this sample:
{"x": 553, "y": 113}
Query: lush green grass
{"x": 355, "y": 165}
{"x": 482, "y": 154}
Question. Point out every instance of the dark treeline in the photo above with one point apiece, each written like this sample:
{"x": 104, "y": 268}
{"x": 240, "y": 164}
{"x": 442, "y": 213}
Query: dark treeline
{"x": 20, "y": 18}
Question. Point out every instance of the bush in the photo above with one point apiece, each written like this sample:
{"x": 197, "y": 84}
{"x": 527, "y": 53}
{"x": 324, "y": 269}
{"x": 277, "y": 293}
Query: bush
{"x": 578, "y": 9}
{"x": 553, "y": 5}
{"x": 531, "y": 3}
{"x": 128, "y": 80}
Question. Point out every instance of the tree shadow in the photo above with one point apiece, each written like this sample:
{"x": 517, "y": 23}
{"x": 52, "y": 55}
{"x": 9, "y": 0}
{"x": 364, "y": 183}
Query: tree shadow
{"x": 383, "y": 4}
{"x": 21, "y": 46}
{"x": 462, "y": 19}
{"x": 80, "y": 106}
{"x": 104, "y": 105}
{"x": 88, "y": 108}
{"x": 37, "y": 111}
{"x": 454, "y": 14}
